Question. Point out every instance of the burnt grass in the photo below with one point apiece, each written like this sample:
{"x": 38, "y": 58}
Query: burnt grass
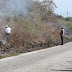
{"x": 6, "y": 50}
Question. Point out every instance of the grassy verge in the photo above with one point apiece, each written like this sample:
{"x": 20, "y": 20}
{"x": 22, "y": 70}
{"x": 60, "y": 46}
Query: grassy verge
{"x": 9, "y": 55}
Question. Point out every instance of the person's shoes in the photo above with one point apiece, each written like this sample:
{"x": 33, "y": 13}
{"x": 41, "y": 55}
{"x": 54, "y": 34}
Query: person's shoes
{"x": 61, "y": 44}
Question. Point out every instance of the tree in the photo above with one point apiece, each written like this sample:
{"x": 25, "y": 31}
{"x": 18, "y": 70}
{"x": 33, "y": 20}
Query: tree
{"x": 45, "y": 8}
{"x": 49, "y": 7}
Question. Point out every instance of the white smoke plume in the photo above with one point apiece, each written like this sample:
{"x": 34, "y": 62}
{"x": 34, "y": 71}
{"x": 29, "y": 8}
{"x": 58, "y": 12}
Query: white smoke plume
{"x": 13, "y": 6}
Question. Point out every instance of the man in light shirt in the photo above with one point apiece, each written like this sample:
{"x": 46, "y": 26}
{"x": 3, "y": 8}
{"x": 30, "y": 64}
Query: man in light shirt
{"x": 8, "y": 32}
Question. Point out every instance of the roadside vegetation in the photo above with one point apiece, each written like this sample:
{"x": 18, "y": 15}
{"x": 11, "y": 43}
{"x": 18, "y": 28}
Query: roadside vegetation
{"x": 36, "y": 28}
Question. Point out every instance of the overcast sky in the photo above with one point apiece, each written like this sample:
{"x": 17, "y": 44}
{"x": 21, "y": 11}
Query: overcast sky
{"x": 63, "y": 6}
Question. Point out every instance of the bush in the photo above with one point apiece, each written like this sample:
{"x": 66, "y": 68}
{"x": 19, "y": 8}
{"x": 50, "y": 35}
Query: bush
{"x": 48, "y": 40}
{"x": 22, "y": 38}
{"x": 67, "y": 19}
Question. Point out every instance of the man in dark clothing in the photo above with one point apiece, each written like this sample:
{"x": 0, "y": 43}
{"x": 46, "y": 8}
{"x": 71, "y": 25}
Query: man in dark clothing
{"x": 61, "y": 35}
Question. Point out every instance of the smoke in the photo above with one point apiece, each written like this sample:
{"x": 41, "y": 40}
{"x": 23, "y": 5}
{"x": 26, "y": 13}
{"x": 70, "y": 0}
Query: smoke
{"x": 8, "y": 7}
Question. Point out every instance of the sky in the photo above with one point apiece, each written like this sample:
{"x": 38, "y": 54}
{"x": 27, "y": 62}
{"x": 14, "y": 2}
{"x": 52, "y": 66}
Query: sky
{"x": 63, "y": 7}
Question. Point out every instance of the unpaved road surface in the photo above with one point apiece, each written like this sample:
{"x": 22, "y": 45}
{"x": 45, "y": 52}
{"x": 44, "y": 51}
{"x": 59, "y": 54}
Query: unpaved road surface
{"x": 55, "y": 59}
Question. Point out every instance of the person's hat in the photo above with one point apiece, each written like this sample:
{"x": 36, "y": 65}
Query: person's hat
{"x": 61, "y": 27}
{"x": 6, "y": 26}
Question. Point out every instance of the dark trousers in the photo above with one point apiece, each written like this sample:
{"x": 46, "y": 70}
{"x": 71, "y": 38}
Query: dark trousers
{"x": 61, "y": 40}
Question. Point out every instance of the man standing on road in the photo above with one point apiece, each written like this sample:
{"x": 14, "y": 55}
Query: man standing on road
{"x": 62, "y": 35}
{"x": 8, "y": 32}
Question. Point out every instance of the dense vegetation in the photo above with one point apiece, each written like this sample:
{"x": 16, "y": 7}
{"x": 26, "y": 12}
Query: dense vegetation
{"x": 35, "y": 28}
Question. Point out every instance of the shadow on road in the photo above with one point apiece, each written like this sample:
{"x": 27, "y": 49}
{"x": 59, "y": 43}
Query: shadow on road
{"x": 63, "y": 70}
